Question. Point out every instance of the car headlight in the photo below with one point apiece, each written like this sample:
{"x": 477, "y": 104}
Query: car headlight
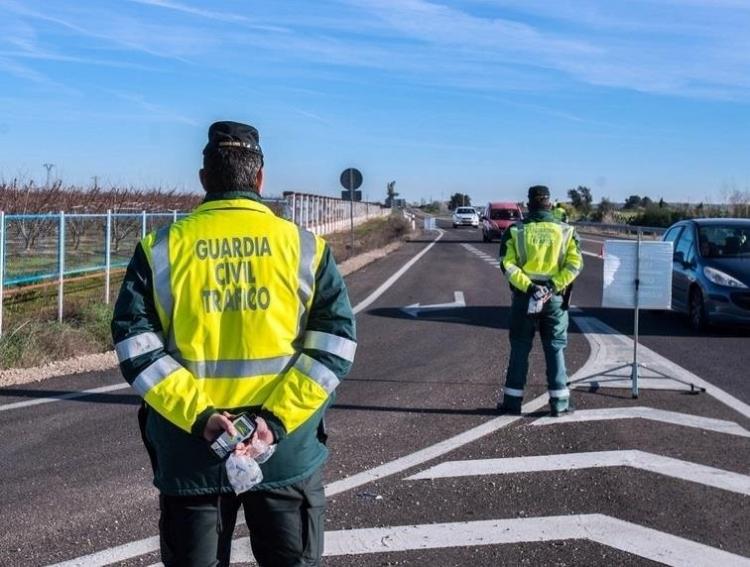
{"x": 720, "y": 278}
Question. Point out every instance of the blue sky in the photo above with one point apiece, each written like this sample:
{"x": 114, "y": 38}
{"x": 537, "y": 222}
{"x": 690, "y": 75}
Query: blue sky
{"x": 648, "y": 97}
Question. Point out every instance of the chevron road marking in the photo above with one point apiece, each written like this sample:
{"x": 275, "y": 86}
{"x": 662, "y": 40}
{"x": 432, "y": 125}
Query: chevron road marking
{"x": 611, "y": 349}
{"x": 631, "y": 538}
{"x": 664, "y": 416}
{"x": 675, "y": 468}
{"x": 151, "y": 544}
{"x": 655, "y": 544}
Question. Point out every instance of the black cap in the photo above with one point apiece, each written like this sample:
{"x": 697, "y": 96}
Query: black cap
{"x": 538, "y": 193}
{"x": 228, "y": 134}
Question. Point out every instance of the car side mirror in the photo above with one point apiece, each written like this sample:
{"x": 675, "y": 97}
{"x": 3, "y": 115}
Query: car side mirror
{"x": 679, "y": 257}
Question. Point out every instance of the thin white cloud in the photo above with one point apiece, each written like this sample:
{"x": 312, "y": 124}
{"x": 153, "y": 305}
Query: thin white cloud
{"x": 211, "y": 14}
{"x": 154, "y": 111}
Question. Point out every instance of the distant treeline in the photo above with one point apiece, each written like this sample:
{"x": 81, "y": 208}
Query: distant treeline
{"x": 635, "y": 210}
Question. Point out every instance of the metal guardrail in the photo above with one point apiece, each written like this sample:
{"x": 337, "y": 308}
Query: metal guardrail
{"x": 621, "y": 228}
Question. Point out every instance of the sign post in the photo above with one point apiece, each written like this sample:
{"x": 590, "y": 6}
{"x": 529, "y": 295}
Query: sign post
{"x": 351, "y": 180}
{"x": 637, "y": 275}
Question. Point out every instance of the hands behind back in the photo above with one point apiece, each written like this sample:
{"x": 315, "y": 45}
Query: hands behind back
{"x": 218, "y": 423}
{"x": 540, "y": 292}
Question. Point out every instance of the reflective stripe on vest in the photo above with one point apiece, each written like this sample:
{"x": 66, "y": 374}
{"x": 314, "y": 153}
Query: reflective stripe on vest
{"x": 138, "y": 345}
{"x": 333, "y": 344}
{"x": 318, "y": 372}
{"x": 237, "y": 368}
{"x": 162, "y": 268}
{"x": 521, "y": 246}
{"x": 155, "y": 373}
{"x": 567, "y": 233}
{"x": 306, "y": 275}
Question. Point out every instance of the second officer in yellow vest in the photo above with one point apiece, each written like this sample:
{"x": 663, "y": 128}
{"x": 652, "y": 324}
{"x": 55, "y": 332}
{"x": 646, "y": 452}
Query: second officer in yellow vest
{"x": 234, "y": 309}
{"x": 541, "y": 257}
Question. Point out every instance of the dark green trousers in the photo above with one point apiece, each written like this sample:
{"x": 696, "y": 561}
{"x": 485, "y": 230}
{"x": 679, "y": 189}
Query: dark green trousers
{"x": 286, "y": 526}
{"x": 553, "y": 330}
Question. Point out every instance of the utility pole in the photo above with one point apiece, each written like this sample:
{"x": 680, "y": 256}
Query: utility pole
{"x": 96, "y": 182}
{"x": 48, "y": 167}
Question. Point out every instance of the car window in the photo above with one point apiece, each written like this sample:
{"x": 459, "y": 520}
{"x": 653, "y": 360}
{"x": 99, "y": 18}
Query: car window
{"x": 504, "y": 214}
{"x": 465, "y": 211}
{"x": 672, "y": 234}
{"x": 720, "y": 241}
{"x": 686, "y": 244}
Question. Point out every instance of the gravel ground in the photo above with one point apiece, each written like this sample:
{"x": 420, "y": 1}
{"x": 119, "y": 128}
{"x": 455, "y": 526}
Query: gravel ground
{"x": 108, "y": 360}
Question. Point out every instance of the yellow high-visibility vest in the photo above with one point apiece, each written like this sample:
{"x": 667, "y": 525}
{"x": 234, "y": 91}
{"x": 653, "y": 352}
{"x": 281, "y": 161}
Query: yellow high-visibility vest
{"x": 233, "y": 284}
{"x": 543, "y": 252}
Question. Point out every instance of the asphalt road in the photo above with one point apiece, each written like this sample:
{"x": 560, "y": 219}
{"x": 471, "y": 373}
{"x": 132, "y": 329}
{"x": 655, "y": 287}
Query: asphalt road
{"x": 660, "y": 479}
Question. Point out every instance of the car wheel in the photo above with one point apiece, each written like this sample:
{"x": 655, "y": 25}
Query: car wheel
{"x": 455, "y": 225}
{"x": 697, "y": 311}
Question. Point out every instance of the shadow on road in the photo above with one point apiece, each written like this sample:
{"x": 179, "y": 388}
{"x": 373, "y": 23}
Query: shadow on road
{"x": 652, "y": 323}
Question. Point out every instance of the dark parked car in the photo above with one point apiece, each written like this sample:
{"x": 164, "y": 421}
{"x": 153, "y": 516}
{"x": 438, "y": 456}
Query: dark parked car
{"x": 711, "y": 270}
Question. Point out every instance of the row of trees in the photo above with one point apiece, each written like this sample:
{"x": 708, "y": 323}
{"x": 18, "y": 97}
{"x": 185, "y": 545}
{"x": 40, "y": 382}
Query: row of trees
{"x": 26, "y": 198}
{"x": 639, "y": 210}
{"x": 643, "y": 211}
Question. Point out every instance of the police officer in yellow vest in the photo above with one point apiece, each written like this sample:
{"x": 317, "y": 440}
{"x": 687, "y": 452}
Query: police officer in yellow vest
{"x": 541, "y": 257}
{"x": 559, "y": 212}
{"x": 231, "y": 310}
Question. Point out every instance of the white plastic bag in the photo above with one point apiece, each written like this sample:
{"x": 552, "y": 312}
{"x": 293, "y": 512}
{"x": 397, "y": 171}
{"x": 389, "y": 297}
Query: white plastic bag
{"x": 243, "y": 473}
{"x": 267, "y": 451}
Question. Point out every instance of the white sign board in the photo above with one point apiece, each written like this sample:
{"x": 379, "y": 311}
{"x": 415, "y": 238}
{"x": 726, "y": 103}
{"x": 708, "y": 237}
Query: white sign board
{"x": 654, "y": 272}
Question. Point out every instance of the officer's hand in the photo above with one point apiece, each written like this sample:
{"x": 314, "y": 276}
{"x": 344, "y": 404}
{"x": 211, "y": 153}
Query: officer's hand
{"x": 540, "y": 292}
{"x": 217, "y": 424}
{"x": 259, "y": 442}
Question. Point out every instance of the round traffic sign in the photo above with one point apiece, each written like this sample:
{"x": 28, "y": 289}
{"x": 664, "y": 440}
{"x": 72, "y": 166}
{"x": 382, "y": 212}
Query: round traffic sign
{"x": 351, "y": 179}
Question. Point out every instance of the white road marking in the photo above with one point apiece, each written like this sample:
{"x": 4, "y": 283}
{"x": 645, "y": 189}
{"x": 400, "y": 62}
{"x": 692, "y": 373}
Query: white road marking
{"x": 151, "y": 544}
{"x": 610, "y": 349}
{"x": 114, "y": 554}
{"x": 403, "y": 463}
{"x": 642, "y": 460}
{"x": 414, "y": 309}
{"x": 61, "y": 397}
{"x": 664, "y": 416}
{"x": 625, "y": 536}
{"x": 628, "y": 537}
{"x": 370, "y": 299}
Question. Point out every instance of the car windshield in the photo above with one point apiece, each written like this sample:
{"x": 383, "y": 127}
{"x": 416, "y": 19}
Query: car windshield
{"x": 722, "y": 241}
{"x": 466, "y": 211}
{"x": 504, "y": 214}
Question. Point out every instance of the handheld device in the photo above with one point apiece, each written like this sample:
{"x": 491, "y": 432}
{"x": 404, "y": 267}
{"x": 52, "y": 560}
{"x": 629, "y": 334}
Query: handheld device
{"x": 225, "y": 444}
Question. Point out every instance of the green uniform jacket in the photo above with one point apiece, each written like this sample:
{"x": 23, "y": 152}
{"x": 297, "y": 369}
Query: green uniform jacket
{"x": 183, "y": 462}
